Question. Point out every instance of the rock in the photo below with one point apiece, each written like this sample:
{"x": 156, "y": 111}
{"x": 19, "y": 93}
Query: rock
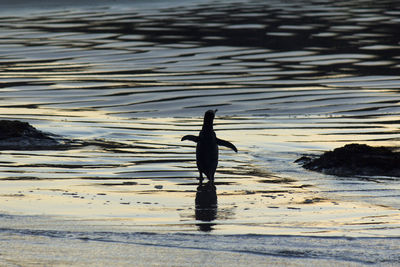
{"x": 18, "y": 135}
{"x": 355, "y": 159}
{"x": 14, "y": 129}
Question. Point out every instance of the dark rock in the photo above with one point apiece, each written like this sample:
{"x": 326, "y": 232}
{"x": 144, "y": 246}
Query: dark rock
{"x": 18, "y": 135}
{"x": 355, "y": 159}
{"x": 13, "y": 129}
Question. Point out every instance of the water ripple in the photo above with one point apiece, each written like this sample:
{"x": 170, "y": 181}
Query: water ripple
{"x": 288, "y": 78}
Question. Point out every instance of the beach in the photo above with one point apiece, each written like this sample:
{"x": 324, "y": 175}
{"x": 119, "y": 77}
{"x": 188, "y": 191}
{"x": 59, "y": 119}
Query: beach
{"x": 124, "y": 81}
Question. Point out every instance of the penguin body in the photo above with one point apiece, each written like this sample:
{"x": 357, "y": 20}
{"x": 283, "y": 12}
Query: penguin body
{"x": 207, "y": 147}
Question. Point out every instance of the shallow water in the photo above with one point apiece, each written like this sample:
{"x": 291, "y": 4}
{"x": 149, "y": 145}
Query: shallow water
{"x": 287, "y": 78}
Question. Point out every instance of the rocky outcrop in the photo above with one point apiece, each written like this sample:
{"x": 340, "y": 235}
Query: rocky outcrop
{"x": 18, "y": 135}
{"x": 355, "y": 159}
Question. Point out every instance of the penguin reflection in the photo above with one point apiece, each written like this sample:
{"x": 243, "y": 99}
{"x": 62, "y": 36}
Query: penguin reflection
{"x": 207, "y": 161}
{"x": 206, "y": 206}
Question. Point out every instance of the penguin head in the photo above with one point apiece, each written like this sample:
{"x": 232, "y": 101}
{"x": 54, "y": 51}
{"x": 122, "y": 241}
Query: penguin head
{"x": 210, "y": 114}
{"x": 209, "y": 118}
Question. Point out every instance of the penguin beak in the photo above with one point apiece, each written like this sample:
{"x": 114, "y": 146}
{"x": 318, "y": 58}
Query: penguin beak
{"x": 215, "y": 111}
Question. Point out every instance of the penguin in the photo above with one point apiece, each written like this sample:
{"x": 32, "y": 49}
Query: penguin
{"x": 207, "y": 147}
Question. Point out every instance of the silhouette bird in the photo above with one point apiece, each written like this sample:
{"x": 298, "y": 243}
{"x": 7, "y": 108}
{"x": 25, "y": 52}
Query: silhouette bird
{"x": 207, "y": 147}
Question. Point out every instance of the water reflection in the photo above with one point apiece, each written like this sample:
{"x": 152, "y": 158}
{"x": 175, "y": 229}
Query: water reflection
{"x": 293, "y": 77}
{"x": 206, "y": 206}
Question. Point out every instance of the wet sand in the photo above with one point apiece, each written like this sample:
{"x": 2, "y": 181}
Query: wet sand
{"x": 44, "y": 251}
{"x": 129, "y": 81}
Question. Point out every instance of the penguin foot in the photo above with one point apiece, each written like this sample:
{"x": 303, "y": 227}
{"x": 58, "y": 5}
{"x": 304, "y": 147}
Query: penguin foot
{"x": 210, "y": 186}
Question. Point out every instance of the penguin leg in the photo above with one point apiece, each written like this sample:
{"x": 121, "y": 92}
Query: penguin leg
{"x": 210, "y": 183}
{"x": 210, "y": 177}
{"x": 201, "y": 178}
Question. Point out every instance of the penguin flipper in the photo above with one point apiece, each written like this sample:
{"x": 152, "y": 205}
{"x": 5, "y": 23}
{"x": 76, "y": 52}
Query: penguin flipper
{"x": 227, "y": 144}
{"x": 191, "y": 138}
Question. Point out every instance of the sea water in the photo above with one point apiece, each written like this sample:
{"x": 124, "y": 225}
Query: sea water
{"x": 131, "y": 78}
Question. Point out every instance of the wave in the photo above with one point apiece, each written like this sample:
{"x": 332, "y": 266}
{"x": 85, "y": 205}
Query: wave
{"x": 360, "y": 250}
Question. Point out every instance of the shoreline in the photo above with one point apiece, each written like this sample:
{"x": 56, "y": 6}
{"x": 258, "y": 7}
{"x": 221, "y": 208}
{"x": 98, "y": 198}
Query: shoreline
{"x": 48, "y": 242}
